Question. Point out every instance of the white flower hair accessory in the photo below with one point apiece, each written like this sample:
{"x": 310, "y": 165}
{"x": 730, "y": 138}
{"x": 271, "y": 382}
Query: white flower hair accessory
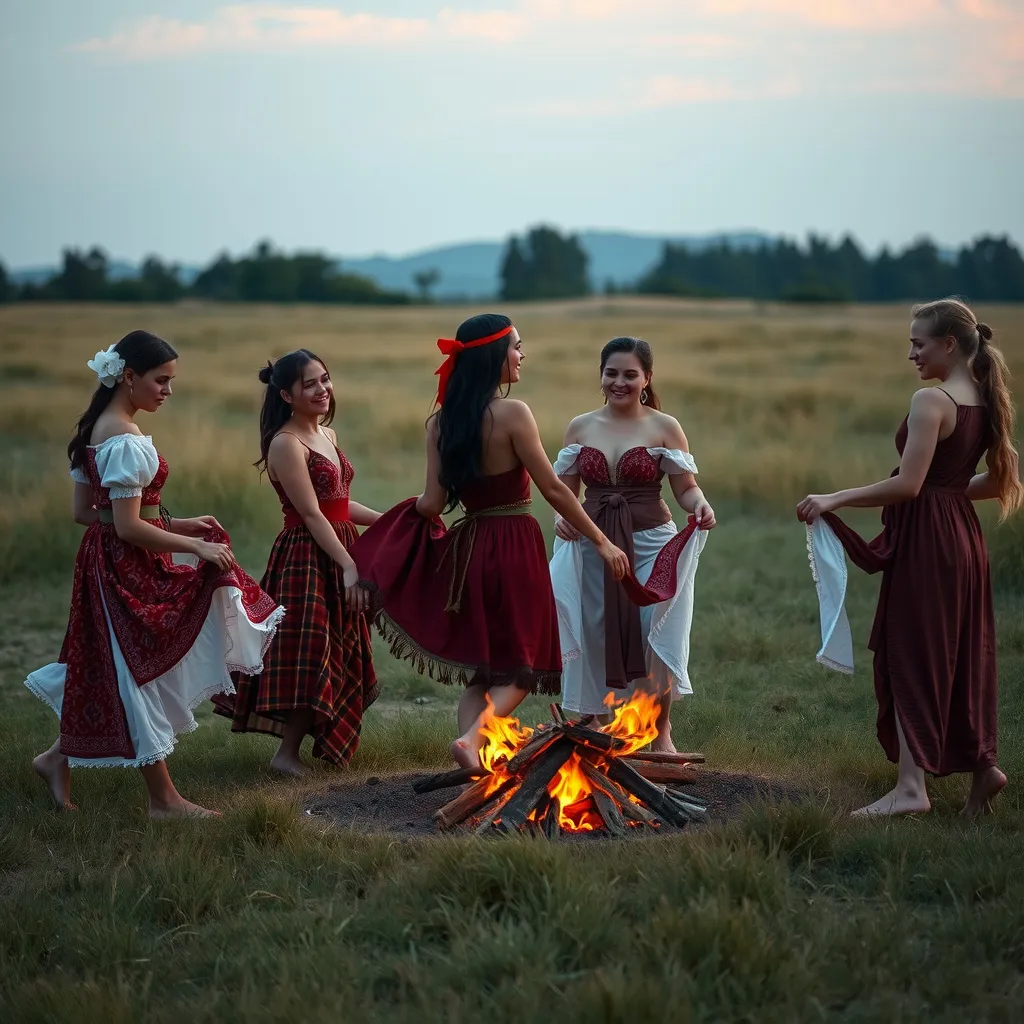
{"x": 108, "y": 367}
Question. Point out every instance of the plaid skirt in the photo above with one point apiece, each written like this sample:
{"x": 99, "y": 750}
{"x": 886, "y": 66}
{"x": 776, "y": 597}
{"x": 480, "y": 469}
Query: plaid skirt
{"x": 321, "y": 658}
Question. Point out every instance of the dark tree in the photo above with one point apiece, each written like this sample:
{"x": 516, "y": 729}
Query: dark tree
{"x": 545, "y": 266}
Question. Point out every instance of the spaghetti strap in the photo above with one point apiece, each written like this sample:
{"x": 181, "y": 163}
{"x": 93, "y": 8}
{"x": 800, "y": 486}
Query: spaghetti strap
{"x": 950, "y": 397}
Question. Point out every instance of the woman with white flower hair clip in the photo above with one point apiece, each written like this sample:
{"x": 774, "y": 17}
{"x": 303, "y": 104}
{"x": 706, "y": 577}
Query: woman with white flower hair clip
{"x": 147, "y": 639}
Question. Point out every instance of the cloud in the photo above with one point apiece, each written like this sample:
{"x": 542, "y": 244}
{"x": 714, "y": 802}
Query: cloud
{"x": 864, "y": 15}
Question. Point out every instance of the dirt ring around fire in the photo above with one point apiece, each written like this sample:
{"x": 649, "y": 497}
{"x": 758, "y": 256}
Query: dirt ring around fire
{"x": 388, "y": 805}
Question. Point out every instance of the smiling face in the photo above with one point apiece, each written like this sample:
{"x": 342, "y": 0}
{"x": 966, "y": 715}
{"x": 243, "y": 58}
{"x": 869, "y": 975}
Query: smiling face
{"x": 623, "y": 379}
{"x": 513, "y": 361}
{"x": 933, "y": 357}
{"x": 312, "y": 394}
{"x": 150, "y": 390}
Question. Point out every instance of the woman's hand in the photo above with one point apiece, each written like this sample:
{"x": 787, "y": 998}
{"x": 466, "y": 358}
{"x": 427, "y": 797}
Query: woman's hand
{"x": 615, "y": 558}
{"x": 815, "y": 505}
{"x": 198, "y": 526}
{"x": 219, "y": 554}
{"x": 705, "y": 515}
{"x": 355, "y": 595}
{"x": 565, "y": 530}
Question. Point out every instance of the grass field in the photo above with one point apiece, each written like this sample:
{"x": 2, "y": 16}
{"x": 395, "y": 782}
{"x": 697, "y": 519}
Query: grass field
{"x": 791, "y": 913}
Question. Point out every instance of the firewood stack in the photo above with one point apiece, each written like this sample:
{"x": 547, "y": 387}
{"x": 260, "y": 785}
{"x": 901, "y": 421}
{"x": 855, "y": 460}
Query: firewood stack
{"x": 610, "y": 789}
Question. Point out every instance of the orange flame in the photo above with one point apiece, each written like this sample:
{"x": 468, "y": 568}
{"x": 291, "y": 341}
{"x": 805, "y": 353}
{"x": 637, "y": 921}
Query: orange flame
{"x": 635, "y": 722}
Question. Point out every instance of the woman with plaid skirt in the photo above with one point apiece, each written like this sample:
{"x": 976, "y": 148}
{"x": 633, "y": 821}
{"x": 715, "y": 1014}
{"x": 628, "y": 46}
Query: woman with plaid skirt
{"x": 318, "y": 677}
{"x": 473, "y": 604}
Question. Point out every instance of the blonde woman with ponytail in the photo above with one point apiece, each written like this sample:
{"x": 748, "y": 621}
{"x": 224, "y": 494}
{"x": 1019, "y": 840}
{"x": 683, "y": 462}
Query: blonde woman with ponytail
{"x": 934, "y": 634}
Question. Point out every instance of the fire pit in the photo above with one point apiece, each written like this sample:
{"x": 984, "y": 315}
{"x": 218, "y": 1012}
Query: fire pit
{"x": 570, "y": 776}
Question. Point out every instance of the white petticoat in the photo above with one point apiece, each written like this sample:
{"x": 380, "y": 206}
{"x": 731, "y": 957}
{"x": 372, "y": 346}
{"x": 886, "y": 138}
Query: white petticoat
{"x": 828, "y": 568}
{"x": 160, "y": 711}
{"x": 577, "y": 578}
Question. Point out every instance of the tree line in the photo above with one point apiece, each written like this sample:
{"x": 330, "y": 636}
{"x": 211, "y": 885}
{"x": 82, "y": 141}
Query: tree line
{"x": 264, "y": 275}
{"x": 547, "y": 264}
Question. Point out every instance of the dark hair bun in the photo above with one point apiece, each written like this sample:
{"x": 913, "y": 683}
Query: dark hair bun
{"x": 266, "y": 372}
{"x": 984, "y": 332}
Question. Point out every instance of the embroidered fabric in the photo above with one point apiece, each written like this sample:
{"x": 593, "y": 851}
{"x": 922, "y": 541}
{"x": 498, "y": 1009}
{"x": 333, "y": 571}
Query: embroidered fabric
{"x": 670, "y": 460}
{"x": 827, "y": 560}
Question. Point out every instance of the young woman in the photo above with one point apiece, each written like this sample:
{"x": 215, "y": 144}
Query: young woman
{"x": 622, "y": 452}
{"x": 147, "y": 639}
{"x": 473, "y": 604}
{"x": 934, "y": 633}
{"x": 318, "y": 678}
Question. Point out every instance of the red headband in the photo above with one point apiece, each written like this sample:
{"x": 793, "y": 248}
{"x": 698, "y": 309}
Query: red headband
{"x": 451, "y": 347}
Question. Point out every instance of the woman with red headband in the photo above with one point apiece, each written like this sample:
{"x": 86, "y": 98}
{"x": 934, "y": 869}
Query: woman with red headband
{"x": 473, "y": 604}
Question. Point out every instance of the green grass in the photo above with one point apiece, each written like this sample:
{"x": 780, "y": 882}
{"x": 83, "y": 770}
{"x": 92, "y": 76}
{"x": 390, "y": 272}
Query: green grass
{"x": 791, "y": 913}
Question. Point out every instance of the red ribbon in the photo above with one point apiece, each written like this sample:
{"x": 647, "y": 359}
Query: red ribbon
{"x": 451, "y": 347}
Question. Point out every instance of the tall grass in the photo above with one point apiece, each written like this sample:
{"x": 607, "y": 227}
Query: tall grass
{"x": 791, "y": 913}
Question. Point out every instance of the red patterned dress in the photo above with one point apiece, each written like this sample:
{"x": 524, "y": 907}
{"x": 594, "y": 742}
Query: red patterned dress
{"x": 323, "y": 657}
{"x": 147, "y": 639}
{"x": 470, "y": 604}
{"x": 617, "y": 637}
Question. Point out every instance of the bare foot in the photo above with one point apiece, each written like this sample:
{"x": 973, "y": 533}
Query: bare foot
{"x": 288, "y": 765}
{"x": 54, "y": 771}
{"x": 664, "y": 745}
{"x": 180, "y": 809}
{"x": 986, "y": 785}
{"x": 464, "y": 753}
{"x": 897, "y": 801}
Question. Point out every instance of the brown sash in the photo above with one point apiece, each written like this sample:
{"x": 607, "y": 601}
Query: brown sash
{"x": 619, "y": 512}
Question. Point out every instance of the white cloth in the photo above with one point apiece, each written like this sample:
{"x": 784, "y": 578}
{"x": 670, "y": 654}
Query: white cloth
{"x": 828, "y": 569}
{"x": 577, "y": 578}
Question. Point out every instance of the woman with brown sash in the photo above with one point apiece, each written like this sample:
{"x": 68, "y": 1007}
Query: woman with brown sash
{"x": 617, "y": 638}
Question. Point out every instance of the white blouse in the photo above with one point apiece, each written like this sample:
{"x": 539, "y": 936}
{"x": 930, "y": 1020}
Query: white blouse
{"x": 126, "y": 463}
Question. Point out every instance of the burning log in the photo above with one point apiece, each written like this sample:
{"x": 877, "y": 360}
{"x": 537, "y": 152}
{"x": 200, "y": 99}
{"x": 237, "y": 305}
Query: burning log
{"x": 571, "y": 776}
{"x": 663, "y": 757}
{"x": 654, "y": 772}
{"x": 534, "y": 785}
{"x": 444, "y": 780}
{"x": 470, "y": 801}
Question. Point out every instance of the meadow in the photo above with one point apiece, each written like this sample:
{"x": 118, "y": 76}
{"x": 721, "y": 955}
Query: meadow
{"x": 790, "y": 913}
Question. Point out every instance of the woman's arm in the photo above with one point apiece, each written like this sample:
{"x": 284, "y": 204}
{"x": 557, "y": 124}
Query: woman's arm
{"x": 434, "y": 497}
{"x": 927, "y": 409}
{"x": 526, "y": 441}
{"x": 82, "y": 508}
{"x": 286, "y": 458}
{"x": 685, "y": 488}
{"x": 134, "y": 530}
{"x": 982, "y": 487}
{"x": 563, "y": 528}
{"x": 362, "y": 515}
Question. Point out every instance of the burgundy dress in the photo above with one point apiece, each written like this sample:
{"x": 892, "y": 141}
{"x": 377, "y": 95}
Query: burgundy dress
{"x": 472, "y": 603}
{"x": 934, "y": 635}
{"x": 323, "y": 655}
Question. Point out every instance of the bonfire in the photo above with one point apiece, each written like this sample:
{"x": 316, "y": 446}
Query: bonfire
{"x": 571, "y": 776}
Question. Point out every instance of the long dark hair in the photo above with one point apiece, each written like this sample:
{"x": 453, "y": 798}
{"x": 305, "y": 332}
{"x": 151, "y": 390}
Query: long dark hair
{"x": 471, "y": 387}
{"x": 280, "y": 376}
{"x": 642, "y": 351}
{"x": 953, "y": 318}
{"x": 141, "y": 352}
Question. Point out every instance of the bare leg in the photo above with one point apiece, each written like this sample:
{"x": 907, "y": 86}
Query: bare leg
{"x": 165, "y": 802}
{"x": 52, "y": 767}
{"x": 663, "y": 741}
{"x": 298, "y": 726}
{"x": 986, "y": 784}
{"x": 472, "y": 704}
{"x": 910, "y": 795}
{"x": 505, "y": 699}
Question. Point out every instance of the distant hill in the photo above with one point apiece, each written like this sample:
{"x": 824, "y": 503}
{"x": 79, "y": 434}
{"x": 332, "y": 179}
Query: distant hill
{"x": 471, "y": 270}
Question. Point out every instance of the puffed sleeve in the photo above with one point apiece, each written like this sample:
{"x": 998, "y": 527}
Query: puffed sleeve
{"x": 79, "y": 475}
{"x": 674, "y": 460}
{"x": 565, "y": 462}
{"x": 127, "y": 463}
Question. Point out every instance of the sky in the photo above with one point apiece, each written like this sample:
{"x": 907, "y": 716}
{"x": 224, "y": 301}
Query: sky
{"x": 386, "y": 126}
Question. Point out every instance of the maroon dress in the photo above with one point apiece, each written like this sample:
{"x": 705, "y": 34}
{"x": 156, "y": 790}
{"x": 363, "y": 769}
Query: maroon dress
{"x": 323, "y": 655}
{"x": 472, "y": 603}
{"x": 934, "y": 635}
